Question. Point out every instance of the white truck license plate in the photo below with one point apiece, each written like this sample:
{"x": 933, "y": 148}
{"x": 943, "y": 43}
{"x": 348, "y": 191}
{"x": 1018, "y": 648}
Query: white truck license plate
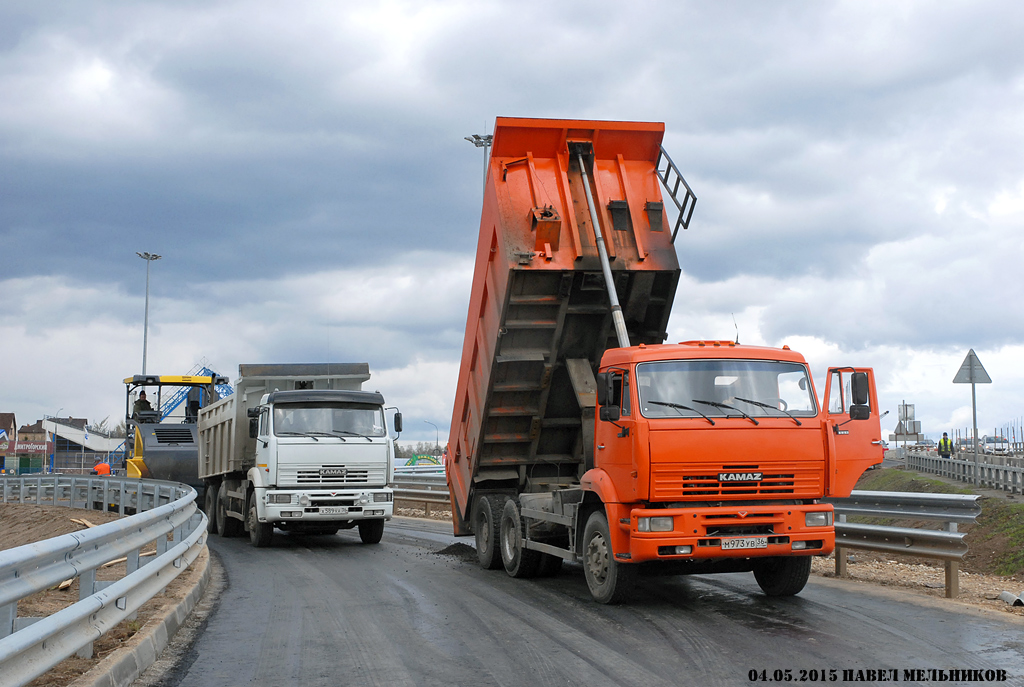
{"x": 333, "y": 510}
{"x": 745, "y": 543}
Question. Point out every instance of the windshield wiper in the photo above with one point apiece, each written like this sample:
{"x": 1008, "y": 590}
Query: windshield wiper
{"x": 769, "y": 406}
{"x": 716, "y": 404}
{"x": 297, "y": 434}
{"x": 339, "y": 432}
{"x": 679, "y": 406}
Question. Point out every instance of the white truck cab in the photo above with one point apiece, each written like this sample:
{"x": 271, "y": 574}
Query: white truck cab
{"x": 301, "y": 448}
{"x": 321, "y": 457}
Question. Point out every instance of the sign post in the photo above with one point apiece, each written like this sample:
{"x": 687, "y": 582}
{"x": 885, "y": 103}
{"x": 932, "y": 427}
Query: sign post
{"x": 971, "y": 372}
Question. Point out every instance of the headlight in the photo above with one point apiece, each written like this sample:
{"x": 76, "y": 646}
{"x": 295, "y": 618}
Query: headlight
{"x": 279, "y": 498}
{"x": 659, "y": 524}
{"x": 381, "y": 496}
{"x": 818, "y": 519}
{"x": 363, "y": 498}
{"x": 304, "y": 500}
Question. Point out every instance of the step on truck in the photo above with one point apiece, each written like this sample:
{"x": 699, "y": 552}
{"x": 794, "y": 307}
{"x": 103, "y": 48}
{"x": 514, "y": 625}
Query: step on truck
{"x": 579, "y": 435}
{"x": 301, "y": 448}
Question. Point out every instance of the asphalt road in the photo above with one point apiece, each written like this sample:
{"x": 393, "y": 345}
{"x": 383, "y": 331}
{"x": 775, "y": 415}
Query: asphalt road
{"x": 332, "y": 611}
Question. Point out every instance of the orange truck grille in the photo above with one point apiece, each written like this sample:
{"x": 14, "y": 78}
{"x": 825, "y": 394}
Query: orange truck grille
{"x": 673, "y": 481}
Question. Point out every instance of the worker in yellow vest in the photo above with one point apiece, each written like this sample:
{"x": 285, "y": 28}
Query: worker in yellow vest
{"x": 945, "y": 446}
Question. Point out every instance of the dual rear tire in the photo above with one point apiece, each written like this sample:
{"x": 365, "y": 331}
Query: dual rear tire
{"x": 227, "y": 526}
{"x": 486, "y": 528}
{"x": 517, "y": 559}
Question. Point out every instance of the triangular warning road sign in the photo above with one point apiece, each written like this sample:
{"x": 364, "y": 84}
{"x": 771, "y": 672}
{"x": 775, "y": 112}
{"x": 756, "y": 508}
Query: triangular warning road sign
{"x": 971, "y": 371}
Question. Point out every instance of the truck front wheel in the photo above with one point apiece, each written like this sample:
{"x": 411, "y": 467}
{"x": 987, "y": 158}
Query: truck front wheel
{"x": 783, "y": 575}
{"x": 486, "y": 516}
{"x": 260, "y": 533}
{"x": 517, "y": 559}
{"x": 610, "y": 581}
{"x": 371, "y": 531}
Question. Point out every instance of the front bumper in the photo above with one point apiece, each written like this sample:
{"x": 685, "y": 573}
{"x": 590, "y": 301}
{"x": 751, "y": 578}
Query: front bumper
{"x": 705, "y": 530}
{"x": 326, "y": 506}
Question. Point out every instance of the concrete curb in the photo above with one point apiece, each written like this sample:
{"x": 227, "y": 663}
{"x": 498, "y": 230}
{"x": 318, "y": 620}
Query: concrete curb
{"x": 122, "y": 667}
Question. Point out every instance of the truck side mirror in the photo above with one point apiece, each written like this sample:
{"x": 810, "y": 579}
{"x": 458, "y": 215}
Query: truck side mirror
{"x": 398, "y": 423}
{"x": 252, "y": 412}
{"x": 859, "y": 388}
{"x": 860, "y": 412}
{"x": 609, "y": 413}
{"x": 254, "y": 427}
{"x": 604, "y": 388}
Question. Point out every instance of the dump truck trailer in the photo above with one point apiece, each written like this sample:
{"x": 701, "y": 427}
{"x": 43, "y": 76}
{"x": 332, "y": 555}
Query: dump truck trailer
{"x": 301, "y": 448}
{"x": 578, "y": 434}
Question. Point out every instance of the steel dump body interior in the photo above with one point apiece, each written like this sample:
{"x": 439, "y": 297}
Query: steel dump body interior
{"x": 224, "y": 442}
{"x": 539, "y": 317}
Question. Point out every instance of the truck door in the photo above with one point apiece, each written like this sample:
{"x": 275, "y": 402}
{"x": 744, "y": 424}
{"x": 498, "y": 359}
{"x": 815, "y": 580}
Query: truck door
{"x": 613, "y": 441}
{"x": 852, "y": 425}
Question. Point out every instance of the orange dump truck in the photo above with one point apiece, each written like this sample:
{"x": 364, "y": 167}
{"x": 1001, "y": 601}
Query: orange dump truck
{"x": 578, "y": 435}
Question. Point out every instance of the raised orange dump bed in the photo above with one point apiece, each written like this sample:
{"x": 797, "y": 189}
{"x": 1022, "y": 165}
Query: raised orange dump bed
{"x": 539, "y": 302}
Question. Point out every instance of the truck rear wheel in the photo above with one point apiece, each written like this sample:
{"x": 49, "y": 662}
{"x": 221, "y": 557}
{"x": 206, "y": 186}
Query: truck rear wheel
{"x": 260, "y": 533}
{"x": 210, "y": 507}
{"x": 610, "y": 581}
{"x": 227, "y": 526}
{"x": 783, "y": 575}
{"x": 371, "y": 531}
{"x": 517, "y": 559}
{"x": 486, "y": 517}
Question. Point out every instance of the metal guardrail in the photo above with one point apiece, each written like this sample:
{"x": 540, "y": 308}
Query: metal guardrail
{"x": 947, "y": 545}
{"x": 997, "y": 472}
{"x": 164, "y": 513}
{"x": 427, "y": 487}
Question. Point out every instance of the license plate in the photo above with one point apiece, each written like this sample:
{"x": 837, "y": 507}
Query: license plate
{"x": 333, "y": 510}
{"x": 745, "y": 543}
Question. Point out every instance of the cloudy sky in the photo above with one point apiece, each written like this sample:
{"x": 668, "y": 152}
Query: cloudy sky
{"x": 301, "y": 168}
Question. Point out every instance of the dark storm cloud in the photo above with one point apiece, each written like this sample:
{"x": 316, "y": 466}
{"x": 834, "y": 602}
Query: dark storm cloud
{"x": 302, "y": 170}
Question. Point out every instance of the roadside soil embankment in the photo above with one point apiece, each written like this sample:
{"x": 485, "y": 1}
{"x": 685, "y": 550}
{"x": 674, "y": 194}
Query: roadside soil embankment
{"x": 24, "y": 524}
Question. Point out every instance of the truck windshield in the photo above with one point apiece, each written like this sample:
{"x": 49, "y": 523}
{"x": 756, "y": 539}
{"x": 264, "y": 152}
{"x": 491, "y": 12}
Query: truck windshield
{"x": 755, "y": 387}
{"x": 342, "y": 419}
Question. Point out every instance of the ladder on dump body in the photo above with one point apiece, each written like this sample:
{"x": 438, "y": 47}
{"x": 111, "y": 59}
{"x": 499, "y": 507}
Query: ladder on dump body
{"x": 672, "y": 179}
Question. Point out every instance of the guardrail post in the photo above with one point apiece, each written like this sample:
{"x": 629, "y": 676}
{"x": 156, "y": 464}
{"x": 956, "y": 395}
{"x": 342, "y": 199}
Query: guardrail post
{"x": 952, "y": 572}
{"x": 952, "y": 579}
{"x": 840, "y": 554}
{"x": 7, "y": 615}
{"x": 86, "y": 588}
{"x": 840, "y": 561}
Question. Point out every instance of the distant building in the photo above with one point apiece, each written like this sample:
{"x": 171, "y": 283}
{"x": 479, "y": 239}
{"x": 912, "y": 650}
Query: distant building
{"x": 70, "y": 454}
{"x": 33, "y": 448}
{"x": 8, "y": 437}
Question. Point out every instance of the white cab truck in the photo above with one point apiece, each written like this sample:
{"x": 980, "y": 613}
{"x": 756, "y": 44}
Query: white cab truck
{"x": 299, "y": 447}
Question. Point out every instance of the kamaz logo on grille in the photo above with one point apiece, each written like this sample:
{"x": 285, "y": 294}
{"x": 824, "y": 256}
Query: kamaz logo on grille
{"x": 333, "y": 472}
{"x": 740, "y": 476}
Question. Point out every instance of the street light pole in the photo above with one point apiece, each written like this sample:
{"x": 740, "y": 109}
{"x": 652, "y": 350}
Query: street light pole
{"x": 437, "y": 435}
{"x": 148, "y": 257}
{"x": 483, "y": 141}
